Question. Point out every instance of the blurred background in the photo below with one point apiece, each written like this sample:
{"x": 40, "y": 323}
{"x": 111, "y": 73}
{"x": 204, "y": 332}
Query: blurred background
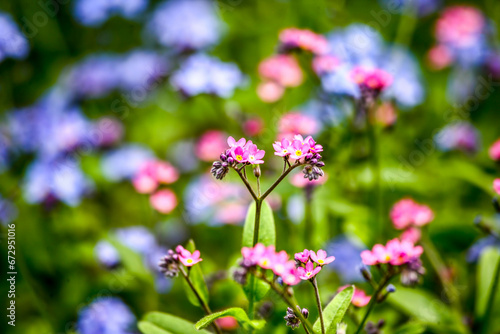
{"x": 93, "y": 92}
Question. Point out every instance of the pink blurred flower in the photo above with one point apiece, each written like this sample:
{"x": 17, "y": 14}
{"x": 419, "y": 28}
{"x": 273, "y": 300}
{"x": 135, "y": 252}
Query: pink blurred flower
{"x": 152, "y": 173}
{"x": 210, "y": 145}
{"x": 304, "y": 39}
{"x": 144, "y": 183}
{"x": 375, "y": 79}
{"x": 281, "y": 263}
{"x": 439, "y": 57}
{"x": 293, "y": 123}
{"x": 227, "y": 323}
{"x": 309, "y": 271}
{"x": 281, "y": 69}
{"x": 109, "y": 131}
{"x": 494, "y": 150}
{"x": 460, "y": 26}
{"x": 231, "y": 213}
{"x": 299, "y": 181}
{"x": 359, "y": 298}
{"x": 291, "y": 276}
{"x": 166, "y": 173}
{"x": 187, "y": 258}
{"x": 412, "y": 234}
{"x": 407, "y": 212}
{"x": 303, "y": 256}
{"x": 163, "y": 201}
{"x": 496, "y": 186}
{"x": 253, "y": 126}
{"x": 270, "y": 91}
{"x": 386, "y": 114}
{"x": 395, "y": 252}
{"x": 325, "y": 64}
{"x": 321, "y": 258}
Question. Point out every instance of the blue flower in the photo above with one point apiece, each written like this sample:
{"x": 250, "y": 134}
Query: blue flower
{"x": 106, "y": 254}
{"x": 106, "y": 315}
{"x": 202, "y": 74}
{"x": 96, "y": 12}
{"x": 347, "y": 252}
{"x": 124, "y": 162}
{"x": 422, "y": 7}
{"x": 184, "y": 25}
{"x": 137, "y": 238}
{"x": 13, "y": 44}
{"x": 479, "y": 246}
{"x": 458, "y": 136}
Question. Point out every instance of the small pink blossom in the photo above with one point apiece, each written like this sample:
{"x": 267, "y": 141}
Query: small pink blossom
{"x": 303, "y": 256}
{"x": 395, "y": 252}
{"x": 233, "y": 143}
{"x": 496, "y": 186}
{"x": 291, "y": 276}
{"x": 314, "y": 148}
{"x": 144, "y": 183}
{"x": 187, "y": 258}
{"x": 163, "y": 201}
{"x": 304, "y": 39}
{"x": 253, "y": 126}
{"x": 359, "y": 298}
{"x": 321, "y": 258}
{"x": 309, "y": 271}
{"x": 227, "y": 323}
{"x": 407, "y": 212}
{"x": 325, "y": 64}
{"x": 210, "y": 144}
{"x": 412, "y": 234}
{"x": 270, "y": 91}
{"x": 282, "y": 148}
{"x": 255, "y": 155}
{"x": 460, "y": 26}
{"x": 281, "y": 69}
{"x": 166, "y": 173}
{"x": 299, "y": 149}
{"x": 494, "y": 151}
{"x": 439, "y": 57}
{"x": 376, "y": 79}
{"x": 281, "y": 264}
{"x": 239, "y": 154}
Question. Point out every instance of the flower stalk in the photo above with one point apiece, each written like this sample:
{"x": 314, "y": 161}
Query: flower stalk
{"x": 318, "y": 303}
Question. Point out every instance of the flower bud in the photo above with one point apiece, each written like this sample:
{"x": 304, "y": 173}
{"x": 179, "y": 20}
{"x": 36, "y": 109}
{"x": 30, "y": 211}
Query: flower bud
{"x": 365, "y": 272}
{"x": 256, "y": 171}
{"x": 305, "y": 313}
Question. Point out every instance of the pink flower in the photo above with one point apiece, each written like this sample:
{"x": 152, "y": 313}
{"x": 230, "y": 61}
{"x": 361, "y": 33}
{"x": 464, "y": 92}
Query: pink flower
{"x": 253, "y": 126}
{"x": 282, "y": 148}
{"x": 321, "y": 258}
{"x": 325, "y": 64}
{"x": 293, "y": 123}
{"x": 494, "y": 151}
{"x": 359, "y": 298}
{"x": 368, "y": 258}
{"x": 270, "y": 91}
{"x": 395, "y": 252}
{"x": 407, "y": 212}
{"x": 210, "y": 144}
{"x": 299, "y": 181}
{"x": 239, "y": 154}
{"x": 163, "y": 201}
{"x": 255, "y": 155}
{"x": 376, "y": 79}
{"x": 309, "y": 271}
{"x": 291, "y": 276}
{"x": 299, "y": 150}
{"x": 496, "y": 186}
{"x": 281, "y": 265}
{"x": 281, "y": 69}
{"x": 304, "y": 39}
{"x": 314, "y": 148}
{"x": 439, "y": 57}
{"x": 460, "y": 26}
{"x": 233, "y": 143}
{"x": 166, "y": 173}
{"x": 227, "y": 323}
{"x": 187, "y": 258}
{"x": 144, "y": 183}
{"x": 412, "y": 234}
{"x": 303, "y": 256}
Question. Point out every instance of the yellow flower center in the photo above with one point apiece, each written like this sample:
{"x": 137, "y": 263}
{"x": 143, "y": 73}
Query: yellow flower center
{"x": 308, "y": 274}
{"x": 387, "y": 257}
{"x": 298, "y": 153}
{"x": 285, "y": 151}
{"x": 321, "y": 261}
{"x": 265, "y": 262}
{"x": 239, "y": 157}
{"x": 189, "y": 261}
{"x": 251, "y": 157}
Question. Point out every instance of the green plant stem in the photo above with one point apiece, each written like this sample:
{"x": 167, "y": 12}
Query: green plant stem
{"x": 256, "y": 225}
{"x": 249, "y": 187}
{"x": 282, "y": 176}
{"x": 291, "y": 303}
{"x": 491, "y": 299}
{"x": 205, "y": 307}
{"x": 373, "y": 301}
{"x": 318, "y": 304}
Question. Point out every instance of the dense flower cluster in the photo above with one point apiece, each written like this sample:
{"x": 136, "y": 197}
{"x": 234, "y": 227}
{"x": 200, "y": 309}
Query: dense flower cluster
{"x": 278, "y": 72}
{"x": 169, "y": 264}
{"x": 96, "y": 12}
{"x": 291, "y": 318}
{"x": 106, "y": 315}
{"x": 309, "y": 263}
{"x": 303, "y": 39}
{"x": 395, "y": 253}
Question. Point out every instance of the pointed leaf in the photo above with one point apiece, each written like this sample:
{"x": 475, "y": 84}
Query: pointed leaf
{"x": 167, "y": 324}
{"x": 196, "y": 277}
{"x": 267, "y": 231}
{"x": 334, "y": 312}
{"x": 485, "y": 272}
{"x": 238, "y": 313}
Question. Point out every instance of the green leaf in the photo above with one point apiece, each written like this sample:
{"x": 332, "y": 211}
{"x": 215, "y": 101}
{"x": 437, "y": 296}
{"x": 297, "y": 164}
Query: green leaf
{"x": 238, "y": 313}
{"x": 334, "y": 312}
{"x": 163, "y": 323}
{"x": 428, "y": 309}
{"x": 196, "y": 276}
{"x": 411, "y": 328}
{"x": 485, "y": 272}
{"x": 267, "y": 231}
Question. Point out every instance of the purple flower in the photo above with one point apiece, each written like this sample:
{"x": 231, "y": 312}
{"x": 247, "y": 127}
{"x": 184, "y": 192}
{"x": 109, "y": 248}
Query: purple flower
{"x": 96, "y": 12}
{"x": 202, "y": 74}
{"x": 458, "y": 136}
{"x": 106, "y": 315}
{"x": 347, "y": 251}
{"x": 13, "y": 44}
{"x": 184, "y": 25}
{"x": 106, "y": 254}
{"x": 125, "y": 162}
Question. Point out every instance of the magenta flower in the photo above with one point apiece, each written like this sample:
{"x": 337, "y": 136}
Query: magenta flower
{"x": 255, "y": 155}
{"x": 233, "y": 143}
{"x": 321, "y": 258}
{"x": 494, "y": 151}
{"x": 187, "y": 258}
{"x": 412, "y": 234}
{"x": 239, "y": 154}
{"x": 309, "y": 271}
{"x": 281, "y": 264}
{"x": 395, "y": 252}
{"x": 375, "y": 79}
{"x": 496, "y": 186}
{"x": 299, "y": 150}
{"x": 315, "y": 148}
{"x": 302, "y": 257}
{"x": 282, "y": 148}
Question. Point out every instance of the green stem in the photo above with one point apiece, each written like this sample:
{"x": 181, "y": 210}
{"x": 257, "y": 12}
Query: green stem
{"x": 491, "y": 299}
{"x": 373, "y": 301}
{"x": 318, "y": 303}
{"x": 205, "y": 307}
{"x": 249, "y": 187}
{"x": 256, "y": 225}
{"x": 282, "y": 176}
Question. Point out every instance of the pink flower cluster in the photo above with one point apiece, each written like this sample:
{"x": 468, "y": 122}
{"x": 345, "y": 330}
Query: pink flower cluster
{"x": 295, "y": 122}
{"x": 359, "y": 298}
{"x": 311, "y": 263}
{"x": 325, "y": 64}
{"x": 243, "y": 151}
{"x": 372, "y": 78}
{"x": 150, "y": 176}
{"x": 278, "y": 72}
{"x": 268, "y": 258}
{"x": 494, "y": 151}
{"x": 297, "y": 148}
{"x": 186, "y": 257}
{"x": 496, "y": 186}
{"x": 395, "y": 252}
{"x": 210, "y": 144}
{"x": 304, "y": 39}
{"x": 406, "y": 213}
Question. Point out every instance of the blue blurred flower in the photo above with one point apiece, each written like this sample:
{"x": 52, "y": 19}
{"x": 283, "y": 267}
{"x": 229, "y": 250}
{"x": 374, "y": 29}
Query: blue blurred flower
{"x": 13, "y": 44}
{"x": 96, "y": 12}
{"x": 8, "y": 211}
{"x": 475, "y": 251}
{"x": 202, "y": 74}
{"x": 137, "y": 238}
{"x": 124, "y": 162}
{"x": 458, "y": 136}
{"x": 184, "y": 25}
{"x": 346, "y": 250}
{"x": 421, "y": 7}
{"x": 106, "y": 254}
{"x": 5, "y": 147}
{"x": 106, "y": 315}
{"x": 60, "y": 179}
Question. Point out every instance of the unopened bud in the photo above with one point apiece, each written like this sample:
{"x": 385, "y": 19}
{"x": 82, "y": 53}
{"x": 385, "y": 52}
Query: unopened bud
{"x": 305, "y": 313}
{"x": 365, "y": 272}
{"x": 256, "y": 171}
